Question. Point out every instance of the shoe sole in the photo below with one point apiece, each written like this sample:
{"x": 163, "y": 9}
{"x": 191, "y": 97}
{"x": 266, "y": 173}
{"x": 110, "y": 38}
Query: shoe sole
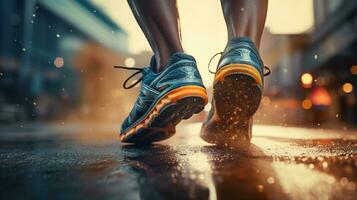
{"x": 159, "y": 124}
{"x": 237, "y": 93}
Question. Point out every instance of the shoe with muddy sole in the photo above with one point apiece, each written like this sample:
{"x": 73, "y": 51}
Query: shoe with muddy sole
{"x": 237, "y": 92}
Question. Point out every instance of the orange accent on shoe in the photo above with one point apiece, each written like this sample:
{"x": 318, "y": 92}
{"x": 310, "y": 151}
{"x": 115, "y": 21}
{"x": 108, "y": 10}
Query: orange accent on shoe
{"x": 238, "y": 68}
{"x": 172, "y": 97}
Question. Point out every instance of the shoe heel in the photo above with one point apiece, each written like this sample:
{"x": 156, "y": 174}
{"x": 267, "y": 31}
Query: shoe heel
{"x": 223, "y": 134}
{"x": 244, "y": 69}
{"x": 244, "y": 131}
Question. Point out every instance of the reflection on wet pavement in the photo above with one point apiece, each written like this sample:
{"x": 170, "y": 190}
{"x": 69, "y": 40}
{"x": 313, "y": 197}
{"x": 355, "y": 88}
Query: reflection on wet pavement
{"x": 161, "y": 174}
{"x": 281, "y": 163}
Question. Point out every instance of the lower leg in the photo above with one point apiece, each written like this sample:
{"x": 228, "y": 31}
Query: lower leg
{"x": 159, "y": 20}
{"x": 245, "y": 18}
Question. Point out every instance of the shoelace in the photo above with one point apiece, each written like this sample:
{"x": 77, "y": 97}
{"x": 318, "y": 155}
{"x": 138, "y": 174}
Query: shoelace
{"x": 138, "y": 71}
{"x": 220, "y": 53}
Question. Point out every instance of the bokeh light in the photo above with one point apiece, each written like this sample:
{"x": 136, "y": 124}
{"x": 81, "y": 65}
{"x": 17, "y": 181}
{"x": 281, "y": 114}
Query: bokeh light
{"x": 347, "y": 88}
{"x": 58, "y": 62}
{"x": 129, "y": 62}
{"x": 265, "y": 100}
{"x": 354, "y": 69}
{"x": 320, "y": 97}
{"x": 306, "y": 80}
{"x": 306, "y": 104}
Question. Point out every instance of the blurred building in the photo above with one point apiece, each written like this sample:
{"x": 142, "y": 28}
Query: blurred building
{"x": 331, "y": 57}
{"x": 283, "y": 53}
{"x": 316, "y": 72}
{"x": 56, "y": 56}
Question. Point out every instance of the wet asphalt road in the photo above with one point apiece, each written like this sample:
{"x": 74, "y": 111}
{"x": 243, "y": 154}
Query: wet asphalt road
{"x": 84, "y": 162}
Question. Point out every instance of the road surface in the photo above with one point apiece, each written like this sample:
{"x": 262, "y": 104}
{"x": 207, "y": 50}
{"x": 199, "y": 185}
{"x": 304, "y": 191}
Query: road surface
{"x": 84, "y": 162}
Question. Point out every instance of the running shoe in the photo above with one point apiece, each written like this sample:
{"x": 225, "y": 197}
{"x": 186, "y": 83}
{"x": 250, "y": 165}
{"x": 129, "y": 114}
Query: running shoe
{"x": 237, "y": 91}
{"x": 165, "y": 98}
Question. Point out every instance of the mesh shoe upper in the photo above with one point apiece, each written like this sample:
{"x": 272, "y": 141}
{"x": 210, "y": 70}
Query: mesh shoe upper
{"x": 180, "y": 71}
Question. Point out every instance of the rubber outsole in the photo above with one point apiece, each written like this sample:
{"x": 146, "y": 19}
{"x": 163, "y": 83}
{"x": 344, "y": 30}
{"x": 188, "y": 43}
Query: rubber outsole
{"x": 160, "y": 123}
{"x": 237, "y": 95}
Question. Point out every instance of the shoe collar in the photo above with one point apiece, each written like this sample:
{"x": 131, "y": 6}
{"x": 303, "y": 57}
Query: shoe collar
{"x": 174, "y": 58}
{"x": 239, "y": 41}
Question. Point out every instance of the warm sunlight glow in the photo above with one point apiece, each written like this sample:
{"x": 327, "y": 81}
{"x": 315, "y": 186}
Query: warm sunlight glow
{"x": 289, "y": 176}
{"x": 204, "y": 33}
{"x": 297, "y": 16}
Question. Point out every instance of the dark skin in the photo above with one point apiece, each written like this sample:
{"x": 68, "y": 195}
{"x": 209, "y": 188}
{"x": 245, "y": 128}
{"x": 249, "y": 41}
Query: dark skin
{"x": 245, "y": 18}
{"x": 159, "y": 20}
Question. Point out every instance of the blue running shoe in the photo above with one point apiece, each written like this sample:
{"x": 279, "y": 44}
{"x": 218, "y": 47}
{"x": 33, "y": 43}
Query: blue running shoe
{"x": 237, "y": 91}
{"x": 165, "y": 98}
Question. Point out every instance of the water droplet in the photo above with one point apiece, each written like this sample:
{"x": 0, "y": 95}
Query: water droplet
{"x": 23, "y": 49}
{"x": 271, "y": 180}
{"x": 351, "y": 186}
{"x": 344, "y": 181}
{"x": 315, "y": 56}
{"x": 192, "y": 176}
{"x": 260, "y": 188}
{"x": 58, "y": 35}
